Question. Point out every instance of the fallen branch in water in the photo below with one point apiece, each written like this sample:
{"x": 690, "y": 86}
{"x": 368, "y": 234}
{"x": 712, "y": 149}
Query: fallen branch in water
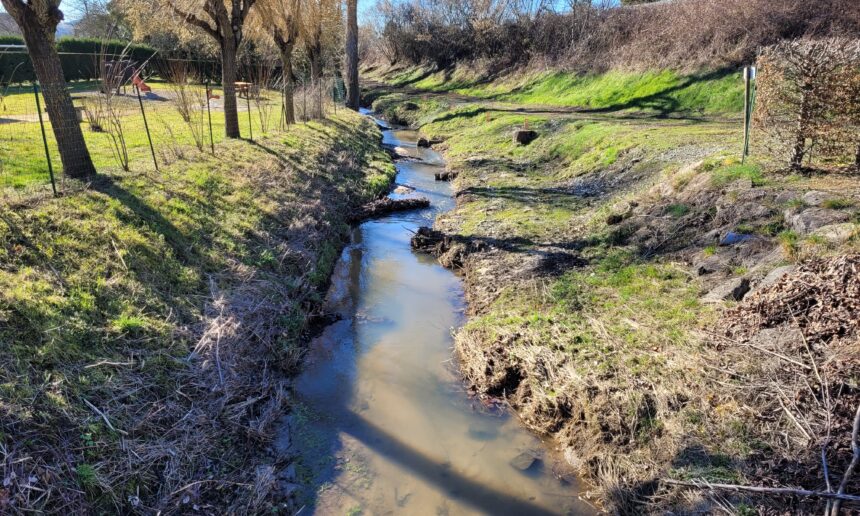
{"x": 387, "y": 205}
{"x": 703, "y": 484}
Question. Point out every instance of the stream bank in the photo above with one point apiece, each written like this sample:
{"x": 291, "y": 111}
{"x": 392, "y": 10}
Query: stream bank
{"x": 601, "y": 262}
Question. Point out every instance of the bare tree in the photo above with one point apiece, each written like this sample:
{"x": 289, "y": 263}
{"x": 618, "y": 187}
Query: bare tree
{"x": 352, "y": 92}
{"x": 225, "y": 24}
{"x": 38, "y": 20}
{"x": 280, "y": 20}
{"x": 319, "y": 17}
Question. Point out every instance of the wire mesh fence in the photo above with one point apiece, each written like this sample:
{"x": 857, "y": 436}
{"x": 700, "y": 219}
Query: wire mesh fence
{"x": 136, "y": 117}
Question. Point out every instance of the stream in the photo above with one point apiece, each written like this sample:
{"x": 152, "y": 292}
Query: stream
{"x": 383, "y": 423}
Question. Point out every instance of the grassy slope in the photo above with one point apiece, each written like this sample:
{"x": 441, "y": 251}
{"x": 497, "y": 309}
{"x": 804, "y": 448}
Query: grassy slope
{"x": 662, "y": 91}
{"x": 105, "y": 291}
{"x": 596, "y": 332}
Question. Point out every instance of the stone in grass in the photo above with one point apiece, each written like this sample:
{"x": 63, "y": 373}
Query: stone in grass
{"x": 424, "y": 143}
{"x": 525, "y": 136}
{"x": 816, "y": 198}
{"x": 524, "y": 461}
{"x": 809, "y": 220}
{"x": 837, "y": 233}
{"x": 732, "y": 290}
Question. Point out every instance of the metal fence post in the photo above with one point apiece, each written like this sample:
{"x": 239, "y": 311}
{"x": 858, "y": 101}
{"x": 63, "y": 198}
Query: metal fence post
{"x": 44, "y": 138}
{"x": 250, "y": 122}
{"x": 209, "y": 113}
{"x": 146, "y": 126}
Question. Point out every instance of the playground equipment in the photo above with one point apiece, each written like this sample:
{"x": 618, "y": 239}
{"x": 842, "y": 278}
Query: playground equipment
{"x": 139, "y": 84}
{"x": 117, "y": 74}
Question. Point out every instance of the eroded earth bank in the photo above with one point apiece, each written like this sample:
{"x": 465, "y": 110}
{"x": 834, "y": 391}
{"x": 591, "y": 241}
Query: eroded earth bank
{"x": 672, "y": 317}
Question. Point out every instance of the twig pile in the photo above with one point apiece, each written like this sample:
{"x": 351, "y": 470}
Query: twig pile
{"x": 822, "y": 298}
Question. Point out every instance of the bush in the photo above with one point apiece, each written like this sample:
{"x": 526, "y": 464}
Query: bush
{"x": 809, "y": 102}
{"x": 78, "y": 56}
{"x": 683, "y": 34}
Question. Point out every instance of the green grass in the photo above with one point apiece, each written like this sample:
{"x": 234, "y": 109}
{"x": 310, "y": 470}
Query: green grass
{"x": 663, "y": 91}
{"x": 122, "y": 272}
{"x": 724, "y": 174}
{"x": 22, "y": 156}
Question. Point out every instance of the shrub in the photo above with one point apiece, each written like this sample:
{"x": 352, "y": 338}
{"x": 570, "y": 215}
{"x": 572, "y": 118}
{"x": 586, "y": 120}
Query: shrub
{"x": 809, "y": 102}
{"x": 79, "y": 57}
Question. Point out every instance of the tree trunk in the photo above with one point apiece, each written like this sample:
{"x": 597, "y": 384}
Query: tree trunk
{"x": 799, "y": 150}
{"x": 228, "y": 80}
{"x": 58, "y": 103}
{"x": 352, "y": 91}
{"x": 285, "y": 45}
{"x": 314, "y": 51}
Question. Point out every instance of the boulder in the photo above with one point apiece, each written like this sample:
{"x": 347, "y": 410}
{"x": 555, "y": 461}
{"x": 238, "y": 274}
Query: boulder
{"x": 525, "y": 136}
{"x": 816, "y": 198}
{"x": 811, "y": 219}
{"x": 424, "y": 143}
{"x": 732, "y": 290}
{"x": 837, "y": 233}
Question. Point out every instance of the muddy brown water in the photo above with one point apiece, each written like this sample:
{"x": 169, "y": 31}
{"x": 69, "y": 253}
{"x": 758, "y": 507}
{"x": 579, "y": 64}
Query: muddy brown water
{"x": 383, "y": 424}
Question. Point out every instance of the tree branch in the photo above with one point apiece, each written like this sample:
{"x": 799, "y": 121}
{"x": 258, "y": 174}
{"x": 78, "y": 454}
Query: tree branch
{"x": 765, "y": 490}
{"x": 191, "y": 19}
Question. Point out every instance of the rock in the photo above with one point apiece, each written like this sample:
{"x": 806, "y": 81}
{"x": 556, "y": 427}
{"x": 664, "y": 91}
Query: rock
{"x": 774, "y": 276}
{"x": 403, "y": 190}
{"x": 809, "y": 220}
{"x": 446, "y": 175}
{"x": 614, "y": 219}
{"x": 711, "y": 264}
{"x": 410, "y": 106}
{"x": 733, "y": 238}
{"x": 785, "y": 197}
{"x": 816, "y": 198}
{"x": 525, "y": 136}
{"x": 837, "y": 233}
{"x": 424, "y": 143}
{"x": 524, "y": 461}
{"x": 733, "y": 290}
{"x": 436, "y": 141}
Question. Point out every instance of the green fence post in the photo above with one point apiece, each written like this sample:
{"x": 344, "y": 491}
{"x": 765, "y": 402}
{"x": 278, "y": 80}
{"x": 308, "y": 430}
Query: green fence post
{"x": 44, "y": 137}
{"x": 250, "y": 122}
{"x": 209, "y": 113}
{"x": 146, "y": 126}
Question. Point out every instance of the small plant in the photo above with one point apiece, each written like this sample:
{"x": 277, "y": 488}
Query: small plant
{"x": 837, "y": 204}
{"x": 189, "y": 100}
{"x": 94, "y": 113}
{"x": 678, "y": 210}
{"x": 789, "y": 242}
{"x": 264, "y": 86}
{"x": 730, "y": 173}
{"x": 710, "y": 250}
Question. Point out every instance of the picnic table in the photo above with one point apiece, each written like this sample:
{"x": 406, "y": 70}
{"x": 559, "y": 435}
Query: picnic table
{"x": 243, "y": 88}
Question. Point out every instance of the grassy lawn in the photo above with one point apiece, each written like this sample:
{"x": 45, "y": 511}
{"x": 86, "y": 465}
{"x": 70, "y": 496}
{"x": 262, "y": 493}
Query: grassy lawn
{"x": 22, "y": 158}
